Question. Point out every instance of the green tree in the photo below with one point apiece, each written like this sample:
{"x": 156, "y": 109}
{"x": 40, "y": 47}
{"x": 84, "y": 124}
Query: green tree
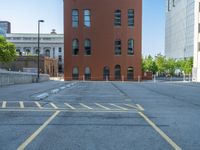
{"x": 185, "y": 65}
{"x": 188, "y": 66}
{"x": 170, "y": 66}
{"x": 7, "y": 51}
{"x": 180, "y": 64}
{"x": 160, "y": 61}
{"x": 149, "y": 65}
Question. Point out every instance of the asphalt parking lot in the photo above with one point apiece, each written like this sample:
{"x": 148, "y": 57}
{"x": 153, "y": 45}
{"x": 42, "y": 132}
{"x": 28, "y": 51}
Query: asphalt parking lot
{"x": 102, "y": 116}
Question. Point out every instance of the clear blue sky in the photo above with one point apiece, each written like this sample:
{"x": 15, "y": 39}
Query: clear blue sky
{"x": 23, "y": 15}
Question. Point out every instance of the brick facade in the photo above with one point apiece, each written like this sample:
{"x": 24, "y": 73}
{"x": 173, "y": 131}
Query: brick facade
{"x": 103, "y": 63}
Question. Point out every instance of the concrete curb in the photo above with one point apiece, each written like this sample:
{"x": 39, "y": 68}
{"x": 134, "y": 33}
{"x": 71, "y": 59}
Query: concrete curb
{"x": 62, "y": 87}
{"x": 54, "y": 91}
{"x": 41, "y": 96}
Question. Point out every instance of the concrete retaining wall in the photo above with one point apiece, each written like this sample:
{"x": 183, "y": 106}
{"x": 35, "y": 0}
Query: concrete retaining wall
{"x": 10, "y": 78}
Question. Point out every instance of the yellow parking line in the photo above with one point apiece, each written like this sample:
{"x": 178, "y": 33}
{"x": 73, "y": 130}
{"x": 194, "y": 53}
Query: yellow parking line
{"x": 85, "y": 106}
{"x": 4, "y": 104}
{"x": 21, "y": 104}
{"x": 102, "y": 106}
{"x": 132, "y": 106}
{"x": 37, "y": 132}
{"x": 140, "y": 107}
{"x": 38, "y": 105}
{"x": 70, "y": 106}
{"x": 119, "y": 107}
{"x": 157, "y": 129}
{"x": 64, "y": 110}
{"x": 53, "y": 105}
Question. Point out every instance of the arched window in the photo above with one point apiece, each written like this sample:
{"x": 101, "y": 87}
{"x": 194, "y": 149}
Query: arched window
{"x": 87, "y": 73}
{"x": 75, "y": 47}
{"x": 130, "y": 73}
{"x": 47, "y": 52}
{"x": 74, "y": 18}
{"x": 118, "y": 47}
{"x": 75, "y": 73}
{"x": 87, "y": 45}
{"x": 117, "y": 72}
{"x": 130, "y": 47}
{"x": 27, "y": 51}
{"x": 106, "y": 73}
{"x": 117, "y": 18}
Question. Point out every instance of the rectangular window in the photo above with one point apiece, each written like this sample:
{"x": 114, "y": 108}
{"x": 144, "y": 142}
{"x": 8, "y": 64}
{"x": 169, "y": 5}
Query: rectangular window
{"x": 60, "y": 58}
{"x": 87, "y": 18}
{"x": 74, "y": 18}
{"x": 60, "y": 49}
{"x": 199, "y": 28}
{"x": 168, "y": 5}
{"x": 118, "y": 47}
{"x": 199, "y": 7}
{"x": 117, "y": 18}
{"x": 199, "y": 46}
{"x": 130, "y": 17}
{"x": 130, "y": 47}
{"x": 173, "y": 3}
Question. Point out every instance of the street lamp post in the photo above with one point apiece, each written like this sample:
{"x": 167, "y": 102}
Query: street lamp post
{"x": 38, "y": 73}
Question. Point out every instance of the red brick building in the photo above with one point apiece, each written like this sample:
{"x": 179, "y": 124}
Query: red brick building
{"x": 102, "y": 39}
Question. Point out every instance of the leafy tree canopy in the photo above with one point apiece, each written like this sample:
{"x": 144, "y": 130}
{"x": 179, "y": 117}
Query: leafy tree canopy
{"x": 162, "y": 65}
{"x": 7, "y": 51}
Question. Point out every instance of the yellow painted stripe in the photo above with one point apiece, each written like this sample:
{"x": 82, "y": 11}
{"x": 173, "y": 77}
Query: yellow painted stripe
{"x": 85, "y": 106}
{"x": 38, "y": 105}
{"x": 132, "y": 106}
{"x": 70, "y": 106}
{"x": 119, "y": 107}
{"x": 157, "y": 129}
{"x": 53, "y": 105}
{"x": 63, "y": 110}
{"x": 140, "y": 107}
{"x": 37, "y": 132}
{"x": 102, "y": 106}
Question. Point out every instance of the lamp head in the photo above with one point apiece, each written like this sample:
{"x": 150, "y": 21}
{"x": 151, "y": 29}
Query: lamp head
{"x": 40, "y": 20}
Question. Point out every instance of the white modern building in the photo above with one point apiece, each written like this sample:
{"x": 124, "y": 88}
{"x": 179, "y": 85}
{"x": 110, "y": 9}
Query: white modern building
{"x": 182, "y": 32}
{"x": 51, "y": 45}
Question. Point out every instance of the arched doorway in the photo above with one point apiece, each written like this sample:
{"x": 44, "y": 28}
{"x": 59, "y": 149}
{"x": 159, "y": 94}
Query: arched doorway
{"x": 87, "y": 73}
{"x": 75, "y": 73}
{"x": 106, "y": 73}
{"x": 130, "y": 73}
{"x": 117, "y": 72}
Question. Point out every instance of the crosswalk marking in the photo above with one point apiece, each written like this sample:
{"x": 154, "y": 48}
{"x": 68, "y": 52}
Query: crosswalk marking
{"x": 102, "y": 106}
{"x": 70, "y": 106}
{"x": 4, "y": 104}
{"x": 53, "y": 105}
{"x": 21, "y": 104}
{"x": 118, "y": 106}
{"x": 85, "y": 106}
{"x": 38, "y": 105}
{"x": 129, "y": 105}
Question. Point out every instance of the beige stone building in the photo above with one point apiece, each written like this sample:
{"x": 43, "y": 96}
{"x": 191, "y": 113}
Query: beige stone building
{"x": 30, "y": 64}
